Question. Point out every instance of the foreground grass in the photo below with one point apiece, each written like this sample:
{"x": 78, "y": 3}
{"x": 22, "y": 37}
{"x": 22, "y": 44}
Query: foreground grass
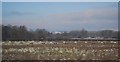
{"x": 62, "y": 50}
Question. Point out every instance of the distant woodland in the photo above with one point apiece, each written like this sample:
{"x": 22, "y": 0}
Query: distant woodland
{"x": 18, "y": 33}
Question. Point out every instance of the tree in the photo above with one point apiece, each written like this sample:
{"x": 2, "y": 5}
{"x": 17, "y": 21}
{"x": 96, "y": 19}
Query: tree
{"x": 83, "y": 33}
{"x": 5, "y": 32}
{"x": 17, "y": 33}
{"x": 22, "y": 33}
{"x": 41, "y": 34}
{"x": 106, "y": 33}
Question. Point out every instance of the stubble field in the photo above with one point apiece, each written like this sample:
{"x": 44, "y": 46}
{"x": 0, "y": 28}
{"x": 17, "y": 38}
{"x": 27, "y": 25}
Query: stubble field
{"x": 60, "y": 50}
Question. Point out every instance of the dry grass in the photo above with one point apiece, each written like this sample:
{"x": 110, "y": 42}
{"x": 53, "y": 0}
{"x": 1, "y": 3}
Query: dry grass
{"x": 61, "y": 50}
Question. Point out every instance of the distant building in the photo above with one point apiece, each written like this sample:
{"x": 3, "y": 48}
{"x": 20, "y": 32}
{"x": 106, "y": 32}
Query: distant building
{"x": 57, "y": 32}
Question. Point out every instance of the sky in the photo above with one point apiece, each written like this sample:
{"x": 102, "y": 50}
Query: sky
{"x": 62, "y": 16}
{"x": 0, "y": 14}
{"x": 60, "y": 0}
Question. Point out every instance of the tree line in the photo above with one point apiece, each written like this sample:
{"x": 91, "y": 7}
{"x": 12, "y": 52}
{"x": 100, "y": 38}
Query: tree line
{"x": 18, "y": 33}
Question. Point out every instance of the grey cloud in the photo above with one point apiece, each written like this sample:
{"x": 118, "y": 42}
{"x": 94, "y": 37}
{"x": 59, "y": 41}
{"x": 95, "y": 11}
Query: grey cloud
{"x": 17, "y": 13}
{"x": 93, "y": 18}
{"x": 97, "y": 14}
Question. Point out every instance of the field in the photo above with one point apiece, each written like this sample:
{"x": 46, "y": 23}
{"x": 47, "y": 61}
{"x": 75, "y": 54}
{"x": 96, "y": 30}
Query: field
{"x": 60, "y": 50}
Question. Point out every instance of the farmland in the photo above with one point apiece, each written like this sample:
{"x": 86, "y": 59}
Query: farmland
{"x": 60, "y": 50}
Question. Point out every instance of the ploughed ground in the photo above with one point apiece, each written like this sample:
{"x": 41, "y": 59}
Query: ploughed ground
{"x": 60, "y": 50}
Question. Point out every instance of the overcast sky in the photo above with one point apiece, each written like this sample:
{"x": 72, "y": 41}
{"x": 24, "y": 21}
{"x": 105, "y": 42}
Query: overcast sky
{"x": 60, "y": 0}
{"x": 62, "y": 16}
